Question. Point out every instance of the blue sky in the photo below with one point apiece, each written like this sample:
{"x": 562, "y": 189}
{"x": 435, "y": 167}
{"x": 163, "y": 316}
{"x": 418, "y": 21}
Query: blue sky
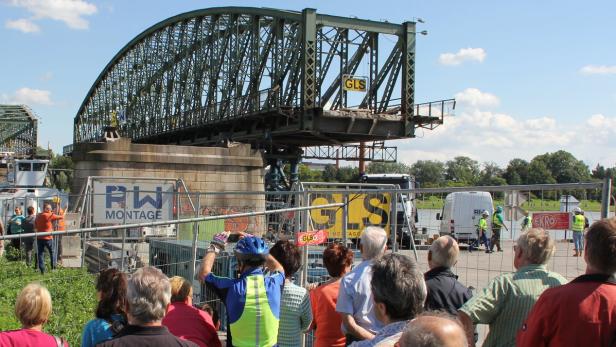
{"x": 529, "y": 76}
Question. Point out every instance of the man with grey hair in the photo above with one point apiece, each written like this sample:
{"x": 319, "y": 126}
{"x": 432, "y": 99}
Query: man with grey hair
{"x": 445, "y": 292}
{"x": 148, "y": 295}
{"x": 355, "y": 303}
{"x": 433, "y": 329}
{"x": 508, "y": 298}
{"x": 399, "y": 293}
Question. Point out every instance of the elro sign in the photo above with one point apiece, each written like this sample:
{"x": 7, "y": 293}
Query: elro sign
{"x": 552, "y": 220}
{"x": 132, "y": 201}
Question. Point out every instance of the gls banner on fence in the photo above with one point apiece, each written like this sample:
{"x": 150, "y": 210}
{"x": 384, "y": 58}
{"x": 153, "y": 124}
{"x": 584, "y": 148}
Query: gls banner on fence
{"x": 311, "y": 238}
{"x": 146, "y": 201}
{"x": 364, "y": 210}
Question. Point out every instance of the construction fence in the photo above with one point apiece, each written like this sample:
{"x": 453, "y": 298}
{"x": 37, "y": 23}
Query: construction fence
{"x": 108, "y": 230}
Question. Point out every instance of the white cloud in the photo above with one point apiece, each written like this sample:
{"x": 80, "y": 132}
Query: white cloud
{"x": 71, "y": 12}
{"x": 23, "y": 25}
{"x": 28, "y": 96}
{"x": 485, "y": 135}
{"x": 476, "y": 98}
{"x": 598, "y": 70}
{"x": 464, "y": 54}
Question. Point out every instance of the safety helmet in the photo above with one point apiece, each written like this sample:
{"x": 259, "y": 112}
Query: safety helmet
{"x": 577, "y": 210}
{"x": 485, "y": 213}
{"x": 499, "y": 209}
{"x": 251, "y": 247}
{"x": 55, "y": 199}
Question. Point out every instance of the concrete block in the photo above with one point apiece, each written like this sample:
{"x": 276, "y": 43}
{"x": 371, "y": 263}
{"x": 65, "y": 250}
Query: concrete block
{"x": 71, "y": 245}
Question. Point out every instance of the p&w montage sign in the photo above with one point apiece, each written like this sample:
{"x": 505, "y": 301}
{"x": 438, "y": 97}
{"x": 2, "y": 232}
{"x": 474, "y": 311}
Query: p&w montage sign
{"x": 146, "y": 201}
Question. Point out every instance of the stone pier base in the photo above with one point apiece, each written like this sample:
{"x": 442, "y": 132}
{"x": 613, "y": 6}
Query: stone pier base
{"x": 203, "y": 169}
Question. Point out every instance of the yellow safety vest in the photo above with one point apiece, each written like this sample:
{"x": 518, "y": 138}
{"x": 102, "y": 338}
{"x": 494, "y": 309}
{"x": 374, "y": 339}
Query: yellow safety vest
{"x": 495, "y": 221}
{"x": 483, "y": 224}
{"x": 257, "y": 326}
{"x": 578, "y": 223}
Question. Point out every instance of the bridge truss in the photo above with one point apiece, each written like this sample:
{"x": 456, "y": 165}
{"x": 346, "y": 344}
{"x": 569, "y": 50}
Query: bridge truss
{"x": 266, "y": 77}
{"x": 18, "y": 129}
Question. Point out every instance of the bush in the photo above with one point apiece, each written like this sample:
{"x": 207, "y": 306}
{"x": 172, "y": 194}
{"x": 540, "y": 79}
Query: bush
{"x": 72, "y": 293}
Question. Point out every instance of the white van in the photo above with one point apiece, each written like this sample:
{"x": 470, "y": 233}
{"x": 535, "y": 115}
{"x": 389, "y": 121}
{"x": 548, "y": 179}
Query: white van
{"x": 461, "y": 214}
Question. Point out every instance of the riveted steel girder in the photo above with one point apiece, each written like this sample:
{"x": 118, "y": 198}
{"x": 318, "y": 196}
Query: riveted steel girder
{"x": 18, "y": 129}
{"x": 267, "y": 77}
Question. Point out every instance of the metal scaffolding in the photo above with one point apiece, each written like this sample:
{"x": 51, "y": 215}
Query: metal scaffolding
{"x": 267, "y": 77}
{"x": 18, "y": 129}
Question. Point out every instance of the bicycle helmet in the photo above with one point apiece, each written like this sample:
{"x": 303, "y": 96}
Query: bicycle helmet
{"x": 251, "y": 247}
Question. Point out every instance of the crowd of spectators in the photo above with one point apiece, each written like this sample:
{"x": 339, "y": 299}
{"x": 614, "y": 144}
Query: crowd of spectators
{"x": 383, "y": 301}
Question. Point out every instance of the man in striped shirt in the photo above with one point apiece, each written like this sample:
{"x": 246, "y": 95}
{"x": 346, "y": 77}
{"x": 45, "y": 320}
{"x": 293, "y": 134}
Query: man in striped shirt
{"x": 508, "y": 298}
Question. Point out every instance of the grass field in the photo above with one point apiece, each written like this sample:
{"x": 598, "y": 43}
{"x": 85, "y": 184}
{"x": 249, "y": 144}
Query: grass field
{"x": 434, "y": 202}
{"x": 72, "y": 293}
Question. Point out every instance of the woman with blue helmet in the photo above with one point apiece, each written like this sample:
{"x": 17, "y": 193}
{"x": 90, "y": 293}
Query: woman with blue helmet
{"x": 252, "y": 301}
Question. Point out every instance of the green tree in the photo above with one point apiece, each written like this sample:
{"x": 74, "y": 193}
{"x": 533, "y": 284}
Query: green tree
{"x": 564, "y": 167}
{"x": 538, "y": 172}
{"x": 516, "y": 171}
{"x": 61, "y": 172}
{"x": 598, "y": 172}
{"x": 491, "y": 175}
{"x": 347, "y": 174}
{"x": 429, "y": 172}
{"x": 329, "y": 174}
{"x": 462, "y": 170}
{"x": 308, "y": 175}
{"x": 376, "y": 167}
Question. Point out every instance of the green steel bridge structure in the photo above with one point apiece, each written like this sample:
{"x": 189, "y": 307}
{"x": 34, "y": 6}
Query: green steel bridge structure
{"x": 267, "y": 77}
{"x": 18, "y": 129}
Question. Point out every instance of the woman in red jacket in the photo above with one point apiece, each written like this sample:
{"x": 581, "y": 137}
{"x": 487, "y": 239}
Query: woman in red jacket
{"x": 337, "y": 260}
{"x": 185, "y": 321}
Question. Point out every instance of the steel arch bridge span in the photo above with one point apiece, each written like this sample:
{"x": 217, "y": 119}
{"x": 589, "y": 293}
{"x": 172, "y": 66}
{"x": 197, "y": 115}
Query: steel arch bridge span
{"x": 18, "y": 129}
{"x": 267, "y": 77}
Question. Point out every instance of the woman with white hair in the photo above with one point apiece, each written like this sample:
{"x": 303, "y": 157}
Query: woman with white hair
{"x": 32, "y": 308}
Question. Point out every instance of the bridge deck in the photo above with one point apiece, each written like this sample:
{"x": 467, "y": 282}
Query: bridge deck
{"x": 280, "y": 129}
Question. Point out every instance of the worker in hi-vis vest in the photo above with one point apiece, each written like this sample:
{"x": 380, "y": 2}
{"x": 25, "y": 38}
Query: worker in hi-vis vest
{"x": 527, "y": 221}
{"x": 252, "y": 301}
{"x": 578, "y": 224}
{"x": 497, "y": 224}
{"x": 482, "y": 229}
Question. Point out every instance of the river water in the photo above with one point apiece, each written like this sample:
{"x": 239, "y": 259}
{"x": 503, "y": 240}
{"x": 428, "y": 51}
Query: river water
{"x": 427, "y": 219}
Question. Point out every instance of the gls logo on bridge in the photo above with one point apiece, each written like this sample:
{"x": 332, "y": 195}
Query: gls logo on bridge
{"x": 352, "y": 83}
{"x": 145, "y": 202}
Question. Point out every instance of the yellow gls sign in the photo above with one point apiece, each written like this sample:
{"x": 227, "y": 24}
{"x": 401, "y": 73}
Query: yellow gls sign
{"x": 364, "y": 210}
{"x": 352, "y": 83}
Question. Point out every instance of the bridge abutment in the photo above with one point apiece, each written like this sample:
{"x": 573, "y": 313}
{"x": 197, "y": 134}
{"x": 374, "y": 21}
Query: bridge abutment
{"x": 203, "y": 169}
